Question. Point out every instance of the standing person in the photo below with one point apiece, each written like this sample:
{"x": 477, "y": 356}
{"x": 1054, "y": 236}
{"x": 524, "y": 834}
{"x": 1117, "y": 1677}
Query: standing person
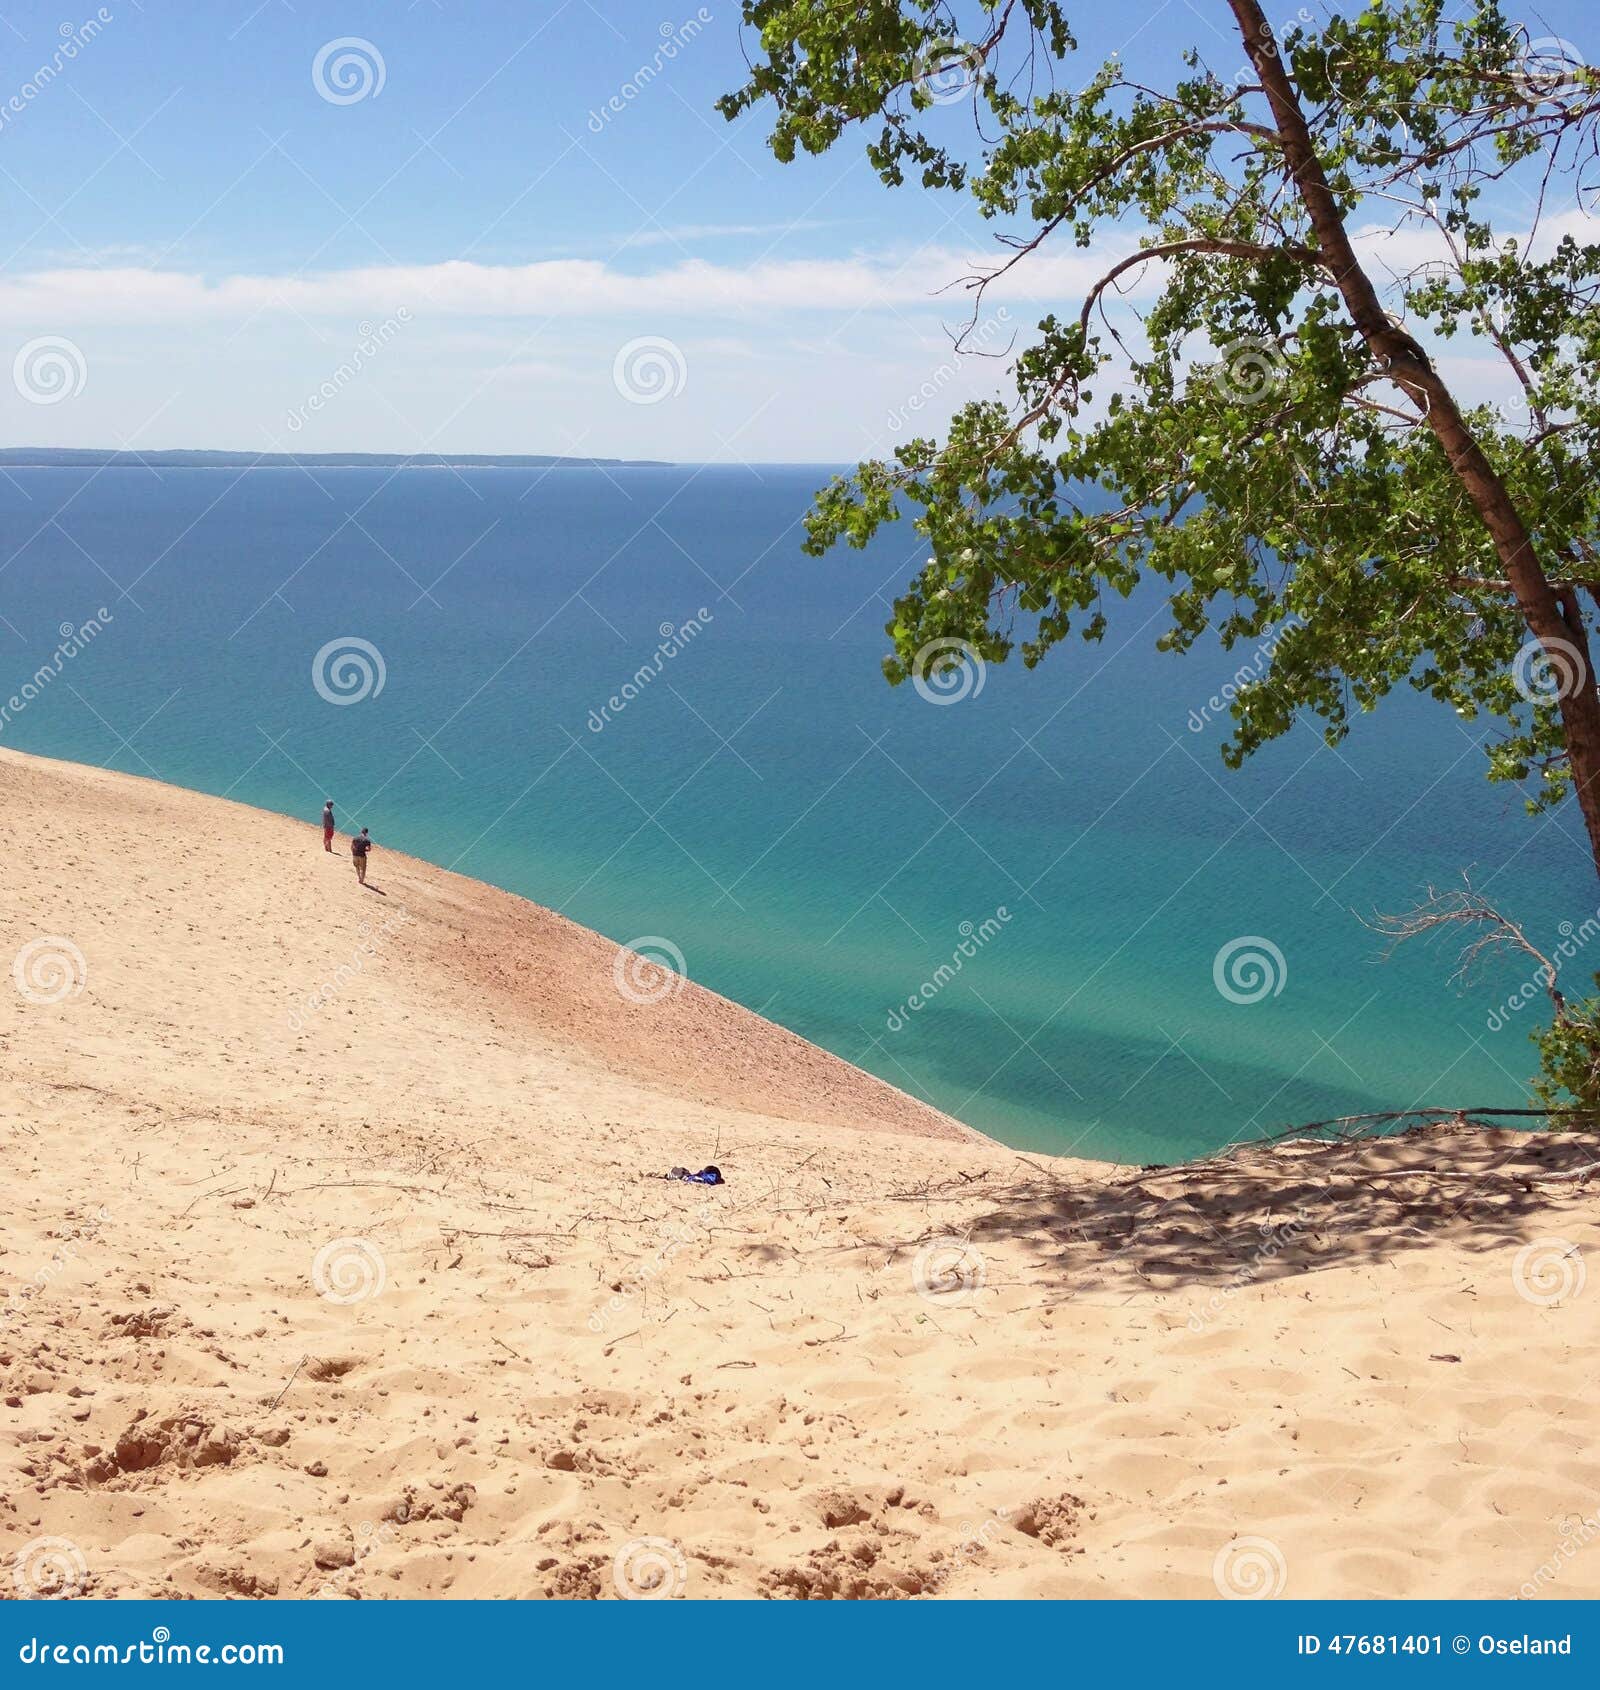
{"x": 327, "y": 826}
{"x": 360, "y": 844}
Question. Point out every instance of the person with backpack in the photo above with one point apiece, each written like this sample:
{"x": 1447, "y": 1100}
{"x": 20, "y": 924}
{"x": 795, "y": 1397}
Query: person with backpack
{"x": 360, "y": 844}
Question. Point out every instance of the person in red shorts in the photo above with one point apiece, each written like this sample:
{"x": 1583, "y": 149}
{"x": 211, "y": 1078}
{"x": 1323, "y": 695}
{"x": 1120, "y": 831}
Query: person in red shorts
{"x": 327, "y": 826}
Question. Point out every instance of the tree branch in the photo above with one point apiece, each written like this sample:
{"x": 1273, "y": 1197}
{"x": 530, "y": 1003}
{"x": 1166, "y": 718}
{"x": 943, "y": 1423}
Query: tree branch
{"x": 1220, "y": 248}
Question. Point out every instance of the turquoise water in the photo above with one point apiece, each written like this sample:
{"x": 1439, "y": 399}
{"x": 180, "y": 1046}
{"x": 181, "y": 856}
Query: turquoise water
{"x": 810, "y": 840}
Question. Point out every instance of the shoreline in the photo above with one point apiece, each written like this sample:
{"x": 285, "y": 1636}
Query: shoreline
{"x": 342, "y": 1259}
{"x": 930, "y": 1121}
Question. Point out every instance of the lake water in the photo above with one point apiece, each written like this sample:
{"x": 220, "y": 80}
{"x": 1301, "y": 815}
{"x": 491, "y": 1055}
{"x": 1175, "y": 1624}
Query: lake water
{"x": 813, "y": 843}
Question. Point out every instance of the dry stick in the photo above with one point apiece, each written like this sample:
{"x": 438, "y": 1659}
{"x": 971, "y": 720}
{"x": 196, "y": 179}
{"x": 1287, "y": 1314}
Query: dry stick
{"x": 285, "y": 1391}
{"x": 381, "y": 1184}
{"x": 216, "y": 1173}
{"x": 196, "y": 1198}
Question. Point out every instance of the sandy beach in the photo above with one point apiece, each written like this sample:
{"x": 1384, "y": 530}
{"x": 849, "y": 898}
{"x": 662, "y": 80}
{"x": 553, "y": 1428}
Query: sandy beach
{"x": 335, "y": 1262}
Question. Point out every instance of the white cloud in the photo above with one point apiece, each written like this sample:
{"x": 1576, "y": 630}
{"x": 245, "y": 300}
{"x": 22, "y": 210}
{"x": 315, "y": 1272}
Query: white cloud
{"x": 1396, "y": 253}
{"x": 788, "y": 358}
{"x": 553, "y": 288}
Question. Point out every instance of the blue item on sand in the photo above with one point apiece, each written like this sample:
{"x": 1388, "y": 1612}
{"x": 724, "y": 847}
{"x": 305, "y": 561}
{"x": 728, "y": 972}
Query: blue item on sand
{"x": 711, "y": 1175}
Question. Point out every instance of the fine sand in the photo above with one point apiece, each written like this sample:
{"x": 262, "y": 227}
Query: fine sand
{"x": 331, "y": 1262}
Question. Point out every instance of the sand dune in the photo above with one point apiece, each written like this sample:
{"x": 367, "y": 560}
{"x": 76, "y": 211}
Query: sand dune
{"x": 332, "y": 1263}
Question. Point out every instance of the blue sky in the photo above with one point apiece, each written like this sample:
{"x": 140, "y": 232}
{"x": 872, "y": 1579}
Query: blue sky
{"x": 492, "y": 222}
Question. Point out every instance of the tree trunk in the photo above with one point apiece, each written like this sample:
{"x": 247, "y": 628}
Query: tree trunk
{"x": 1553, "y": 617}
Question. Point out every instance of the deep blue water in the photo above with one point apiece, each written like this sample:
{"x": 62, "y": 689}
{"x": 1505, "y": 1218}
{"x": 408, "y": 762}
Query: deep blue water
{"x": 811, "y": 840}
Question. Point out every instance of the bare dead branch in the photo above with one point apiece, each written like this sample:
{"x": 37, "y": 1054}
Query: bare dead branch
{"x": 1462, "y": 908}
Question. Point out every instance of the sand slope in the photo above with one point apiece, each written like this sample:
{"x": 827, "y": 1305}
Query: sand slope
{"x": 330, "y": 1263}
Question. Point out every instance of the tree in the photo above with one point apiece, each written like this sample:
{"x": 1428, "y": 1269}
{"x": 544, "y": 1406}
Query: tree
{"x": 1313, "y": 475}
{"x": 1569, "y": 1048}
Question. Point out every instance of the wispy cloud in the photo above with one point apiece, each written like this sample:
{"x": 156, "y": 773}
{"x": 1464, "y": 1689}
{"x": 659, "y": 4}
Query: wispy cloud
{"x": 923, "y": 280}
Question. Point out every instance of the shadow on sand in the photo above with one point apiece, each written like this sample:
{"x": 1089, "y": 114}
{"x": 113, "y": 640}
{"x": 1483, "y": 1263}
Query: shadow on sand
{"x": 1271, "y": 1211}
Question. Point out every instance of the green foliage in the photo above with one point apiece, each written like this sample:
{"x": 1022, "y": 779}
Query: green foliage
{"x": 1253, "y": 453}
{"x": 1569, "y": 1059}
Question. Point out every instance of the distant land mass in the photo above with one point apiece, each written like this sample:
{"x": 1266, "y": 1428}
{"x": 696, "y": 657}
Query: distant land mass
{"x": 86, "y": 457}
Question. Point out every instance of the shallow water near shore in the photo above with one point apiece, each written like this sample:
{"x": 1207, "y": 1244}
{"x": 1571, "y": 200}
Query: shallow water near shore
{"x": 1017, "y": 905}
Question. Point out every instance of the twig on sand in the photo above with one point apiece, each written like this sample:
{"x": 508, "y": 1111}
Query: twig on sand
{"x": 228, "y": 1192}
{"x": 622, "y": 1220}
{"x": 510, "y": 1232}
{"x": 285, "y": 1391}
{"x": 509, "y": 1351}
{"x": 381, "y": 1184}
{"x": 838, "y": 1337}
{"x": 1038, "y": 1168}
{"x": 216, "y": 1173}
